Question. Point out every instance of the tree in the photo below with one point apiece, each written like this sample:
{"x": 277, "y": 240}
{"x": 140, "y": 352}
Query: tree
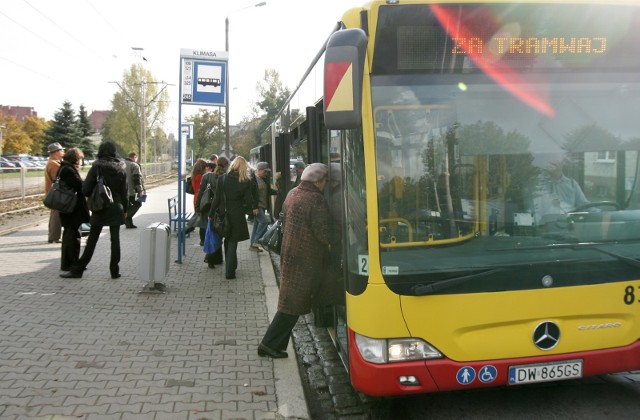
{"x": 84, "y": 125}
{"x": 208, "y": 133}
{"x": 14, "y": 140}
{"x": 64, "y": 129}
{"x": 137, "y": 109}
{"x": 34, "y": 128}
{"x": 273, "y": 96}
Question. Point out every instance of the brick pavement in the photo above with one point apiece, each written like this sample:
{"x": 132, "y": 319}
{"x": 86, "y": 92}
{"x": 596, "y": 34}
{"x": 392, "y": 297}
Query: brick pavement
{"x": 97, "y": 348}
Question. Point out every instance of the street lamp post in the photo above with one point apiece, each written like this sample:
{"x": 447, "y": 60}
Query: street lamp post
{"x": 227, "y": 147}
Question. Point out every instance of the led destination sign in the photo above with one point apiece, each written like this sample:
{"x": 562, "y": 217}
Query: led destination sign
{"x": 523, "y": 37}
{"x": 531, "y": 45}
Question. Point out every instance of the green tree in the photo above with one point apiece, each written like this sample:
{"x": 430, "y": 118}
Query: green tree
{"x": 84, "y": 125}
{"x": 208, "y": 133}
{"x": 137, "y": 109}
{"x": 64, "y": 129}
{"x": 272, "y": 97}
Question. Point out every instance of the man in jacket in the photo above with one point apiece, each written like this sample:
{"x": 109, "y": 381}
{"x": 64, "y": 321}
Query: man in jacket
{"x": 263, "y": 191}
{"x": 135, "y": 188}
{"x": 50, "y": 173}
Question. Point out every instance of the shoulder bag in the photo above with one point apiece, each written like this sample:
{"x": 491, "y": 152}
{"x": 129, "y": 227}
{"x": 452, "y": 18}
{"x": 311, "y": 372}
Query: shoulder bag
{"x": 207, "y": 198}
{"x": 60, "y": 197}
{"x": 272, "y": 238}
{"x": 221, "y": 224}
{"x": 101, "y": 196}
{"x": 188, "y": 187}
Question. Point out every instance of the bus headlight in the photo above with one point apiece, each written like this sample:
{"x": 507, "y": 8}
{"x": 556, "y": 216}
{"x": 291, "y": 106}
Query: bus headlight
{"x": 376, "y": 350}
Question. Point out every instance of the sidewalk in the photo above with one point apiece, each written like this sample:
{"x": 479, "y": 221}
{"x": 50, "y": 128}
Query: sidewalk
{"x": 96, "y": 348}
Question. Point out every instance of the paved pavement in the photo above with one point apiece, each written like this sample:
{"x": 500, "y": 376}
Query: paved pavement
{"x": 97, "y": 348}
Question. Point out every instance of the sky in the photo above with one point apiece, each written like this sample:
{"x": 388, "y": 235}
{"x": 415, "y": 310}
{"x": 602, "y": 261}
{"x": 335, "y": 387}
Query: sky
{"x": 73, "y": 50}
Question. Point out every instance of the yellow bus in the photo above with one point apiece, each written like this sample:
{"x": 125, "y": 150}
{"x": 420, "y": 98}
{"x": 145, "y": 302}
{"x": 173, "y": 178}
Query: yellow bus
{"x": 485, "y": 161}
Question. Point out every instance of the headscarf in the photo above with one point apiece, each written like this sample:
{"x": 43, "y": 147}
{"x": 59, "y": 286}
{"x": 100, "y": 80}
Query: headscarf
{"x": 314, "y": 172}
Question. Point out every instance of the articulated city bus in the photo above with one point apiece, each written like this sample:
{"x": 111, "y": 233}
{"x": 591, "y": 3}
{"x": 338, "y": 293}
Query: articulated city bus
{"x": 485, "y": 158}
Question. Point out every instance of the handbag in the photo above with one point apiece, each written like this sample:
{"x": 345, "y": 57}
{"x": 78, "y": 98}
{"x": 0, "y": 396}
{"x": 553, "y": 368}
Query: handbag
{"x": 272, "y": 238}
{"x": 206, "y": 200}
{"x": 212, "y": 241}
{"x": 60, "y": 197}
{"x": 221, "y": 224}
{"x": 188, "y": 188}
{"x": 101, "y": 197}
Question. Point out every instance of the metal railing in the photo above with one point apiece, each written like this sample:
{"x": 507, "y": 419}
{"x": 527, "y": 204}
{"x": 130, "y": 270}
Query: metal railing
{"x": 23, "y": 182}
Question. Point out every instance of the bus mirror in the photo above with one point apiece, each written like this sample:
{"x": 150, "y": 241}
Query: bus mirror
{"x": 343, "y": 73}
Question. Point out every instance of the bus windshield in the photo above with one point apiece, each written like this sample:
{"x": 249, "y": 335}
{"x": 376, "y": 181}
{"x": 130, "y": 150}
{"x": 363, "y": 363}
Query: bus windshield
{"x": 488, "y": 182}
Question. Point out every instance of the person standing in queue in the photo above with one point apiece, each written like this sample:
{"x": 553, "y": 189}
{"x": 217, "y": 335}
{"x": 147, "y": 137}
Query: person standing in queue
{"x": 71, "y": 222}
{"x": 50, "y": 174}
{"x": 234, "y": 193}
{"x": 263, "y": 189}
{"x": 198, "y": 171}
{"x": 113, "y": 171}
{"x": 135, "y": 188}
{"x": 305, "y": 246}
{"x": 211, "y": 180}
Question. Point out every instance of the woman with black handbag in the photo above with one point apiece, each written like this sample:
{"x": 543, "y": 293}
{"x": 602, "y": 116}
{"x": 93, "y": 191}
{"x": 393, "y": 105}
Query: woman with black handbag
{"x": 113, "y": 172}
{"x": 234, "y": 193}
{"x": 69, "y": 174}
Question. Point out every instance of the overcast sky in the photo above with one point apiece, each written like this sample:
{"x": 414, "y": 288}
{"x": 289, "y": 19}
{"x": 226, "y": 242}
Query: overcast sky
{"x": 52, "y": 51}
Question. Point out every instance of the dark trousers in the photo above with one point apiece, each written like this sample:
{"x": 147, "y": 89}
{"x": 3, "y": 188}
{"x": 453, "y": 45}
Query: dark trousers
{"x": 279, "y": 331}
{"x": 215, "y": 258}
{"x": 134, "y": 206}
{"x": 230, "y": 257}
{"x": 92, "y": 241}
{"x": 70, "y": 246}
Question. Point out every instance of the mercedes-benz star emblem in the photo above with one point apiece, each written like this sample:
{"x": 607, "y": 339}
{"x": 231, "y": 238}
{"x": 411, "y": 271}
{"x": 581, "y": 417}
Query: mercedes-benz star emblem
{"x": 546, "y": 335}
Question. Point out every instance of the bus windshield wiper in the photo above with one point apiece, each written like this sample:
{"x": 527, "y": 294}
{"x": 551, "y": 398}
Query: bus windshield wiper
{"x": 631, "y": 261}
{"x": 427, "y": 289}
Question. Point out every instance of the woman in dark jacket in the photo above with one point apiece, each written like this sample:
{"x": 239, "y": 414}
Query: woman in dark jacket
{"x": 305, "y": 245}
{"x": 114, "y": 174}
{"x": 234, "y": 194}
{"x": 71, "y": 222}
{"x": 211, "y": 180}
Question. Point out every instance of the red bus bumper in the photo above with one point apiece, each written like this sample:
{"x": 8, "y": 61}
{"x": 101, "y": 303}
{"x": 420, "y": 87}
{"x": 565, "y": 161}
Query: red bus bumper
{"x": 444, "y": 375}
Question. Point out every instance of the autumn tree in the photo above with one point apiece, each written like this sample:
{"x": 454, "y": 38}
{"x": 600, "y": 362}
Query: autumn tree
{"x": 138, "y": 108}
{"x": 14, "y": 139}
{"x": 34, "y": 128}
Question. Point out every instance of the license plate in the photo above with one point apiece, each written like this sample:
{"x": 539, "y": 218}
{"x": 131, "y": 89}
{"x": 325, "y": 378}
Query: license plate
{"x": 545, "y": 372}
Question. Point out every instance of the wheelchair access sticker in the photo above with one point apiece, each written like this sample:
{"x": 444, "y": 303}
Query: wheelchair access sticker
{"x": 487, "y": 374}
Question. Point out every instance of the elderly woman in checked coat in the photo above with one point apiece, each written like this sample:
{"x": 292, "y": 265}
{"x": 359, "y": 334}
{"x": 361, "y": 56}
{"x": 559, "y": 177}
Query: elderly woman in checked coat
{"x": 303, "y": 256}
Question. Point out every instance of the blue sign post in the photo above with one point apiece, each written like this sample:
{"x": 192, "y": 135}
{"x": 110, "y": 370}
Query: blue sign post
{"x": 203, "y": 81}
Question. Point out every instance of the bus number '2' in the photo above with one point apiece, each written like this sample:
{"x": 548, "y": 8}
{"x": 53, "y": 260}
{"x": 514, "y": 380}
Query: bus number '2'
{"x": 629, "y": 295}
{"x": 363, "y": 265}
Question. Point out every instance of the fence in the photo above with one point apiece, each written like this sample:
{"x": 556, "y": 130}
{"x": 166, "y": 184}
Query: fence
{"x": 23, "y": 182}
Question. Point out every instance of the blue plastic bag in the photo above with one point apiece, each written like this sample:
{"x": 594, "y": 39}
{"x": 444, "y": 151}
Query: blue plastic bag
{"x": 212, "y": 241}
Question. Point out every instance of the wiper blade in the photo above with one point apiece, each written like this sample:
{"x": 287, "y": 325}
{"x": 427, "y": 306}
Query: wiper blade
{"x": 631, "y": 261}
{"x": 427, "y": 289}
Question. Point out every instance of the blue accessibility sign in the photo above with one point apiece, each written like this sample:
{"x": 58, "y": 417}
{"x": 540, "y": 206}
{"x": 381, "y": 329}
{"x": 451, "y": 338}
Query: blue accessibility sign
{"x": 487, "y": 374}
{"x": 466, "y": 375}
